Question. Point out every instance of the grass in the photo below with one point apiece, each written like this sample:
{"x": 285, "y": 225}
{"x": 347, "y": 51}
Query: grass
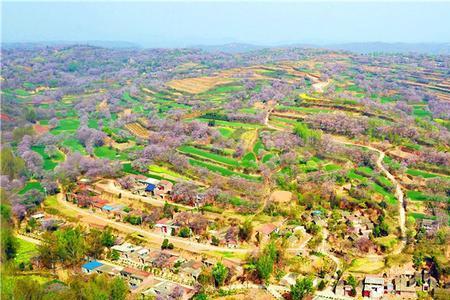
{"x": 221, "y": 170}
{"x": 52, "y": 207}
{"x": 225, "y": 132}
{"x": 31, "y": 185}
{"x": 258, "y": 146}
{"x": 419, "y": 196}
{"x": 267, "y": 157}
{"x": 25, "y": 251}
{"x": 208, "y": 155}
{"x": 164, "y": 170}
{"x": 423, "y": 174}
{"x": 66, "y": 125}
{"x": 74, "y": 145}
{"x": 112, "y": 154}
{"x": 127, "y": 168}
{"x": 332, "y": 167}
{"x": 420, "y": 112}
{"x": 231, "y": 124}
{"x": 420, "y": 216}
{"x": 49, "y": 163}
{"x": 366, "y": 265}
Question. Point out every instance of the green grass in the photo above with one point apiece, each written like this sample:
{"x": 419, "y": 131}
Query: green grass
{"x": 267, "y": 157}
{"x": 365, "y": 171}
{"x": 332, "y": 167}
{"x": 164, "y": 170}
{"x": 419, "y": 196}
{"x": 49, "y": 163}
{"x": 420, "y": 216}
{"x": 112, "y": 154}
{"x": 366, "y": 265}
{"x": 423, "y": 174}
{"x": 225, "y": 132}
{"x": 208, "y": 155}
{"x": 74, "y": 145}
{"x": 66, "y": 125}
{"x": 390, "y": 198}
{"x": 258, "y": 146}
{"x": 231, "y": 124}
{"x": 221, "y": 170}
{"x": 25, "y": 251}
{"x": 93, "y": 123}
{"x": 33, "y": 185}
{"x": 421, "y": 113}
{"x": 352, "y": 175}
{"x": 127, "y": 168}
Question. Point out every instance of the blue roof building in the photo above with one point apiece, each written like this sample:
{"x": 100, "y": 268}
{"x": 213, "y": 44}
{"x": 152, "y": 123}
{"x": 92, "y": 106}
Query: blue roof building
{"x": 91, "y": 266}
{"x": 108, "y": 208}
{"x": 150, "y": 187}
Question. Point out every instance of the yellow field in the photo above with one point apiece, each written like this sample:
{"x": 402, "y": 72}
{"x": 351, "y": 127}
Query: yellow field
{"x": 197, "y": 85}
{"x": 137, "y": 129}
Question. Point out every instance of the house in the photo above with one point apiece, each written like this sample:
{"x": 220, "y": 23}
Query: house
{"x": 99, "y": 203}
{"x": 166, "y": 226}
{"x": 289, "y": 279}
{"x": 38, "y": 217}
{"x": 404, "y": 286}
{"x": 163, "y": 188}
{"x": 90, "y": 267}
{"x": 108, "y": 270}
{"x": 150, "y": 187}
{"x": 134, "y": 276}
{"x": 164, "y": 290}
{"x": 266, "y": 230}
{"x": 126, "y": 249}
{"x": 191, "y": 268}
{"x": 373, "y": 287}
{"x": 343, "y": 289}
{"x": 430, "y": 226}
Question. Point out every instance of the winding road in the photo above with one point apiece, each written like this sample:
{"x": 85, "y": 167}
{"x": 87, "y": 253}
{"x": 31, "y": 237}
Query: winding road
{"x": 379, "y": 163}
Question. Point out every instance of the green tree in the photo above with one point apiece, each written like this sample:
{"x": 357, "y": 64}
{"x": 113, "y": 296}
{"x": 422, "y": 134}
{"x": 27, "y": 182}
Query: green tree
{"x": 119, "y": 289}
{"x": 184, "y": 232}
{"x": 246, "y": 230}
{"x": 220, "y": 273}
{"x": 264, "y": 267}
{"x": 9, "y": 244}
{"x": 302, "y": 288}
{"x": 11, "y": 165}
{"x": 107, "y": 237}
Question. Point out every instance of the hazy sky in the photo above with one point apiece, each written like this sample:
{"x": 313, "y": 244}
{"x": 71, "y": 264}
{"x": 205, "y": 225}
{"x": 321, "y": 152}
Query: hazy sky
{"x": 188, "y": 23}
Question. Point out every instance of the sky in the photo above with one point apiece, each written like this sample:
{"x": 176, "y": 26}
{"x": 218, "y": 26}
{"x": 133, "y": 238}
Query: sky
{"x": 177, "y": 24}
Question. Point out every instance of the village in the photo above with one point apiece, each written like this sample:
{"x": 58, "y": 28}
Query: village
{"x": 165, "y": 271}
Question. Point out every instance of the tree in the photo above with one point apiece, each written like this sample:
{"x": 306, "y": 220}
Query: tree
{"x": 11, "y": 165}
{"x": 119, "y": 289}
{"x": 220, "y": 273}
{"x": 302, "y": 288}
{"x": 107, "y": 237}
{"x": 264, "y": 267}
{"x": 184, "y": 232}
{"x": 246, "y": 230}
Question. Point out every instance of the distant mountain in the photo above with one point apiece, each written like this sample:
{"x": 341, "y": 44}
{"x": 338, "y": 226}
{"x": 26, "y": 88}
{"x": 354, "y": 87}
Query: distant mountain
{"x": 425, "y": 48}
{"x": 103, "y": 44}
{"x": 229, "y": 48}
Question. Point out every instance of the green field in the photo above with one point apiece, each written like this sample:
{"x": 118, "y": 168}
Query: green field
{"x": 419, "y": 196}
{"x": 423, "y": 174}
{"x": 49, "y": 163}
{"x": 25, "y": 251}
{"x": 112, "y": 154}
{"x": 66, "y": 125}
{"x": 221, "y": 170}
{"x": 210, "y": 156}
{"x": 74, "y": 145}
{"x": 33, "y": 185}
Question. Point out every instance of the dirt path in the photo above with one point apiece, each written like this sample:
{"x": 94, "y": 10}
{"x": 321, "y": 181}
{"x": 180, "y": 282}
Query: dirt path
{"x": 178, "y": 242}
{"x": 398, "y": 190}
{"x": 379, "y": 162}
